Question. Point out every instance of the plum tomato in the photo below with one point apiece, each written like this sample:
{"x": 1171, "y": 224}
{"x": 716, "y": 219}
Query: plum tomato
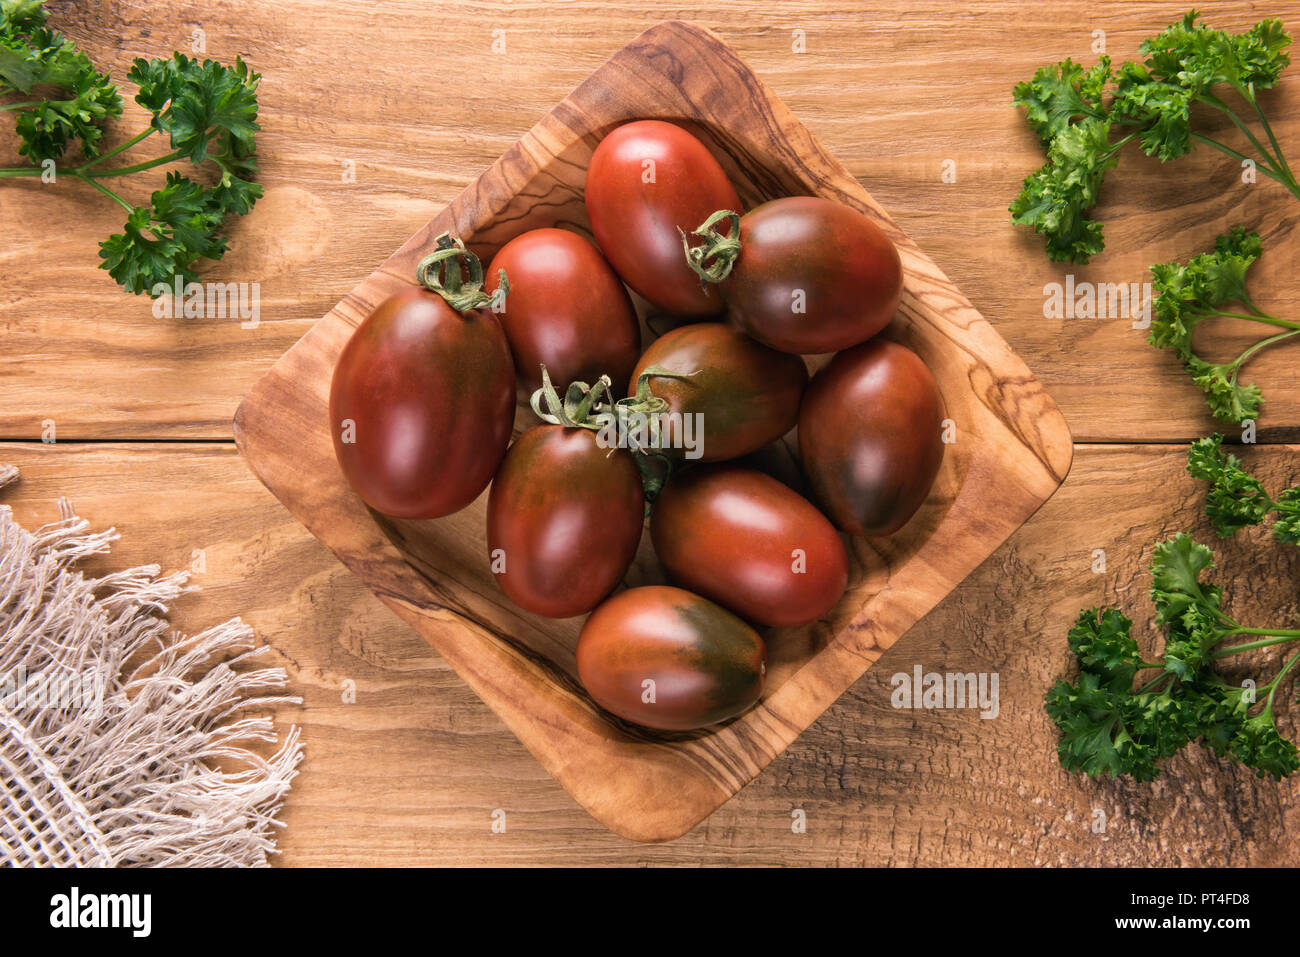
{"x": 647, "y": 180}
{"x": 751, "y": 544}
{"x": 665, "y": 658}
{"x": 564, "y": 519}
{"x": 811, "y": 276}
{"x": 566, "y": 309}
{"x": 742, "y": 394}
{"x": 870, "y": 438}
{"x": 422, "y": 404}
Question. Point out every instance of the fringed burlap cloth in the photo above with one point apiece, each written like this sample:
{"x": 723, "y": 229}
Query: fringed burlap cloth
{"x": 122, "y": 743}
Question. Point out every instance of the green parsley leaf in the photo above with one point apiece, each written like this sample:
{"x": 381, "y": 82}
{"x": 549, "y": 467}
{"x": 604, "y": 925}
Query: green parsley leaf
{"x": 1287, "y": 526}
{"x": 207, "y": 111}
{"x": 1151, "y": 101}
{"x": 1175, "y": 578}
{"x": 1062, "y": 93}
{"x": 1056, "y": 197}
{"x": 197, "y": 103}
{"x": 165, "y": 239}
{"x": 1108, "y": 726}
{"x": 1259, "y": 745}
{"x": 33, "y": 56}
{"x": 1204, "y": 288}
{"x": 1236, "y": 499}
{"x": 20, "y": 16}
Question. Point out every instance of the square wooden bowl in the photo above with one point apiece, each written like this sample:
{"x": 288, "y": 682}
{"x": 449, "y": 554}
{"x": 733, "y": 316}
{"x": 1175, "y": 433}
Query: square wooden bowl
{"x": 1012, "y": 451}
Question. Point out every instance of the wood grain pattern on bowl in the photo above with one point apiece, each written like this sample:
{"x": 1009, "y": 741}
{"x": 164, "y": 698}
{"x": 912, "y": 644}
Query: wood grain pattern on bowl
{"x": 1012, "y": 451}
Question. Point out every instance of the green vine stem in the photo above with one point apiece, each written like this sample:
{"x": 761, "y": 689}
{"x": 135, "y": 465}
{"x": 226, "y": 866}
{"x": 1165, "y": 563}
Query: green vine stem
{"x": 576, "y": 410}
{"x": 586, "y": 406}
{"x": 653, "y": 479}
{"x": 646, "y": 403}
{"x": 441, "y": 272}
{"x": 713, "y": 259}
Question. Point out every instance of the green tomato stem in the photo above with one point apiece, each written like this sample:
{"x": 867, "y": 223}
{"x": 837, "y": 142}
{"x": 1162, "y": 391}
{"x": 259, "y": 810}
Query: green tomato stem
{"x": 713, "y": 259}
{"x": 578, "y": 406}
{"x": 440, "y": 272}
{"x": 652, "y": 479}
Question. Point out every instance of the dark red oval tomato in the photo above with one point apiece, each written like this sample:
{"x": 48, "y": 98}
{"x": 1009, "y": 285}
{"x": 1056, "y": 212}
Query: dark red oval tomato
{"x": 646, "y": 180}
{"x": 566, "y": 309}
{"x": 870, "y": 437}
{"x": 813, "y": 276}
{"x": 422, "y": 404}
{"x": 744, "y": 540}
{"x": 742, "y": 394}
{"x": 564, "y": 519}
{"x": 665, "y": 658}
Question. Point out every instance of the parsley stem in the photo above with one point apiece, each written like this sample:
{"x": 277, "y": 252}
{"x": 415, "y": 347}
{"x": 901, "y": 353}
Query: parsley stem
{"x": 1262, "y": 344}
{"x": 1277, "y": 680}
{"x": 1268, "y": 130}
{"x": 1258, "y": 317}
{"x": 106, "y": 191}
{"x": 136, "y": 168}
{"x": 113, "y": 152}
{"x": 1218, "y": 104}
{"x": 1154, "y": 681}
{"x": 87, "y": 170}
{"x": 1120, "y": 143}
{"x": 1250, "y": 304}
{"x": 19, "y": 106}
{"x": 1277, "y": 638}
{"x": 1264, "y": 168}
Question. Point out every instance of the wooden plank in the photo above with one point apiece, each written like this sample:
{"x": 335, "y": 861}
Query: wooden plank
{"x": 411, "y": 772}
{"x": 421, "y": 106}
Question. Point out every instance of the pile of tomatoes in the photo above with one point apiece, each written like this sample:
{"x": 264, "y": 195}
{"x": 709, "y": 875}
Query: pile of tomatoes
{"x": 422, "y": 406}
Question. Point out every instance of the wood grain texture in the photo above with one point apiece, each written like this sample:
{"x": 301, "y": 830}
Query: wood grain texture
{"x": 422, "y": 106}
{"x": 1011, "y": 452}
{"x": 411, "y": 772}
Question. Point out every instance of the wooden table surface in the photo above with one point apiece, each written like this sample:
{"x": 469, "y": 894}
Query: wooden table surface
{"x": 412, "y": 96}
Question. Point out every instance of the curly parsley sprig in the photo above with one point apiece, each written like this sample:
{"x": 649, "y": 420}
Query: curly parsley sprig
{"x": 206, "y": 110}
{"x": 1110, "y": 724}
{"x": 1236, "y": 499}
{"x": 1203, "y": 288}
{"x": 1075, "y": 112}
{"x": 31, "y": 56}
